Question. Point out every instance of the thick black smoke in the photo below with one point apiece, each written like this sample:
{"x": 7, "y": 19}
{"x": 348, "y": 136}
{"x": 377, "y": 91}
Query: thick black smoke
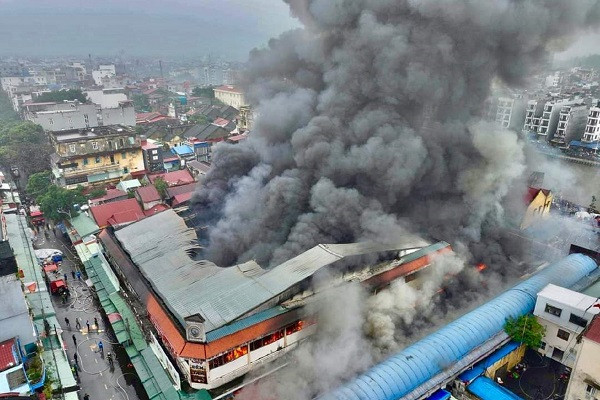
{"x": 368, "y": 127}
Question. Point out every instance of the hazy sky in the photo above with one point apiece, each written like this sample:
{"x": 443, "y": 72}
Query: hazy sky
{"x": 171, "y": 28}
{"x": 228, "y": 28}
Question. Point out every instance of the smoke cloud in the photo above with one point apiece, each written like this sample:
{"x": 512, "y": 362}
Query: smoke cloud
{"x": 368, "y": 128}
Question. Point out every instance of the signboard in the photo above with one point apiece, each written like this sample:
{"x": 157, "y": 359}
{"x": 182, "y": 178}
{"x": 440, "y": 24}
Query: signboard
{"x": 165, "y": 362}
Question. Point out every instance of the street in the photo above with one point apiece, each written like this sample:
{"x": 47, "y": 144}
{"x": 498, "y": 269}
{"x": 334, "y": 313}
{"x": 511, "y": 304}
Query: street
{"x": 96, "y": 376}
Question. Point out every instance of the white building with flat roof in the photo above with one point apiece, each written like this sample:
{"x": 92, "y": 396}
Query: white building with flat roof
{"x": 565, "y": 314}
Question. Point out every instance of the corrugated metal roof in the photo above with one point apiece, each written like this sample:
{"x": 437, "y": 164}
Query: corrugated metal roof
{"x": 245, "y": 322}
{"x": 400, "y": 374}
{"x": 486, "y": 389}
{"x": 84, "y": 225}
{"x": 221, "y": 295}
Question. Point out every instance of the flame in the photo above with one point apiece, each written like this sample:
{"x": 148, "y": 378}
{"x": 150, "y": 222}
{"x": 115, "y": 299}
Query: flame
{"x": 481, "y": 266}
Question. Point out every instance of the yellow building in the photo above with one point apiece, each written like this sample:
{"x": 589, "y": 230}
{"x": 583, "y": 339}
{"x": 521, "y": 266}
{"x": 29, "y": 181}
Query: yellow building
{"x": 230, "y": 95}
{"x": 95, "y": 155}
{"x": 538, "y": 205}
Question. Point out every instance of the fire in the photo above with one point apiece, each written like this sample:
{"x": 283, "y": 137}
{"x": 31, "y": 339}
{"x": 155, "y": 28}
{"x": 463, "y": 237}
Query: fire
{"x": 481, "y": 266}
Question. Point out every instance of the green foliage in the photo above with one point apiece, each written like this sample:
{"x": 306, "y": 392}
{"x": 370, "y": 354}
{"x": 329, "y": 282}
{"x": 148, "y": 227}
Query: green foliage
{"x": 59, "y": 96}
{"x": 25, "y": 145}
{"x": 592, "y": 206}
{"x": 141, "y": 103}
{"x": 34, "y": 368}
{"x": 7, "y": 113}
{"x": 526, "y": 329}
{"x": 204, "y": 92}
{"x": 161, "y": 186}
{"x": 57, "y": 202}
{"x": 199, "y": 119}
{"x": 96, "y": 192}
{"x": 38, "y": 184}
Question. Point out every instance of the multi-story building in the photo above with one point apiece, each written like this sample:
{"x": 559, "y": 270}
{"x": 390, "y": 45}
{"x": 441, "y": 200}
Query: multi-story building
{"x": 230, "y": 95}
{"x": 571, "y": 124}
{"x": 592, "y": 128}
{"x": 510, "y": 111}
{"x": 565, "y": 314}
{"x": 95, "y": 155}
{"x": 103, "y": 71}
{"x": 219, "y": 323}
{"x": 75, "y": 115}
{"x": 533, "y": 115}
{"x": 12, "y": 84}
{"x": 12, "y": 69}
{"x": 153, "y": 159}
{"x": 585, "y": 376}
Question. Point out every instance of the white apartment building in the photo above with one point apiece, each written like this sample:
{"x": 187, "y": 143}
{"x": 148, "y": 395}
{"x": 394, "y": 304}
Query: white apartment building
{"x": 592, "y": 128}
{"x": 571, "y": 124}
{"x": 103, "y": 71}
{"x": 230, "y": 95}
{"x": 510, "y": 112}
{"x": 585, "y": 376}
{"x": 533, "y": 115}
{"x": 565, "y": 314}
{"x": 55, "y": 117}
{"x": 10, "y": 84}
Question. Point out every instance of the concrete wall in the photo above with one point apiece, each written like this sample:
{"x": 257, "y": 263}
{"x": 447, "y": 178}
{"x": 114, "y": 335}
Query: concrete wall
{"x": 585, "y": 371}
{"x": 71, "y": 116}
{"x": 123, "y": 115}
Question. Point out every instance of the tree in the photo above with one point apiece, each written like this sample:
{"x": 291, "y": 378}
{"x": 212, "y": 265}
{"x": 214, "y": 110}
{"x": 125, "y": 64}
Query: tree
{"x": 39, "y": 183}
{"x": 526, "y": 329}
{"x": 161, "y": 186}
{"x": 7, "y": 113}
{"x": 204, "y": 92}
{"x": 96, "y": 192}
{"x": 59, "y": 96}
{"x": 24, "y": 144}
{"x": 199, "y": 119}
{"x": 141, "y": 102}
{"x": 59, "y": 203}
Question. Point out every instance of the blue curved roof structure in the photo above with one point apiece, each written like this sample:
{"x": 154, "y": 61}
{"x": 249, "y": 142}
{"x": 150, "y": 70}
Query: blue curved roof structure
{"x": 415, "y": 365}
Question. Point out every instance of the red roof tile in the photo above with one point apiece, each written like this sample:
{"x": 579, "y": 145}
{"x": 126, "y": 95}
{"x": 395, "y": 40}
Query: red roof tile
{"x": 593, "y": 331}
{"x": 125, "y": 217}
{"x": 148, "y": 194}
{"x": 229, "y": 88}
{"x": 221, "y": 122}
{"x": 102, "y": 213}
{"x": 182, "y": 198}
{"x": 110, "y": 195}
{"x": 7, "y": 357}
{"x": 175, "y": 178}
{"x": 177, "y": 190}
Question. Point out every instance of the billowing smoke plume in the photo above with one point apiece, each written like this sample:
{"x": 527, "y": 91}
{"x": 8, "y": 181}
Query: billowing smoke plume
{"x": 368, "y": 127}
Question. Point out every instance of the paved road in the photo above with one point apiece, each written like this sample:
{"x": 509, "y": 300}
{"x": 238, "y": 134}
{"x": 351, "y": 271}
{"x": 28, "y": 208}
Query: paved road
{"x": 96, "y": 377}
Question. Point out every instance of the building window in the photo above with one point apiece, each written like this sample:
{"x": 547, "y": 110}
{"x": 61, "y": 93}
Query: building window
{"x": 562, "y": 334}
{"x": 543, "y": 346}
{"x": 98, "y": 158}
{"x": 121, "y": 143}
{"x": 85, "y": 161}
{"x": 155, "y": 158}
{"x": 123, "y": 155}
{"x": 590, "y": 392}
{"x": 558, "y": 354}
{"x": 553, "y": 310}
{"x": 51, "y": 121}
{"x": 577, "y": 320}
{"x": 95, "y": 145}
{"x": 72, "y": 148}
{"x": 125, "y": 170}
{"x": 109, "y": 145}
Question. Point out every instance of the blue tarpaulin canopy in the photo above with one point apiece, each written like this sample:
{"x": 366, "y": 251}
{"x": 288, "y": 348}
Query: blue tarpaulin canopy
{"x": 487, "y": 389}
{"x": 592, "y": 146}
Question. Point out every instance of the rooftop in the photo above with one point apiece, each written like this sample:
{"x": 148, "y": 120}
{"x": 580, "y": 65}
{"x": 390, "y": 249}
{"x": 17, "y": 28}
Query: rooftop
{"x": 175, "y": 178}
{"x": 199, "y": 166}
{"x": 182, "y": 150}
{"x": 578, "y": 301}
{"x": 14, "y": 314}
{"x": 221, "y": 295}
{"x": 229, "y": 88}
{"x": 129, "y": 184}
{"x": 117, "y": 212}
{"x": 110, "y": 195}
{"x": 148, "y": 194}
{"x": 183, "y": 189}
{"x": 593, "y": 330}
{"x": 84, "y": 225}
{"x": 7, "y": 354}
{"x": 72, "y": 135}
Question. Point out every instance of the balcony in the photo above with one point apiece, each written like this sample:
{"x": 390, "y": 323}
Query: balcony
{"x": 68, "y": 172}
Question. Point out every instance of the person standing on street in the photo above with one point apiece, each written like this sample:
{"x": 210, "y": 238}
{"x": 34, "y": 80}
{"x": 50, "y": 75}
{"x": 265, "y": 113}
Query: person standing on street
{"x": 67, "y": 322}
{"x": 78, "y": 275}
{"x": 96, "y": 323}
{"x": 73, "y": 274}
{"x": 87, "y": 323}
{"x": 74, "y": 340}
{"x": 101, "y": 347}
{"x": 78, "y": 323}
{"x": 86, "y": 397}
{"x": 65, "y": 275}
